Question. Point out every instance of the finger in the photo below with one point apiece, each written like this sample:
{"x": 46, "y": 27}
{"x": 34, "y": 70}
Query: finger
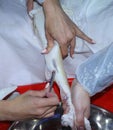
{"x": 66, "y": 109}
{"x": 41, "y": 96}
{"x": 36, "y": 94}
{"x": 64, "y": 51}
{"x": 79, "y": 119}
{"x": 47, "y": 102}
{"x": 81, "y": 128}
{"x": 87, "y": 113}
{"x": 51, "y": 110}
{"x": 51, "y": 94}
{"x": 50, "y": 42}
{"x": 41, "y": 113}
{"x": 29, "y": 5}
{"x": 83, "y": 36}
{"x": 49, "y": 115}
{"x": 65, "y": 106}
{"x": 44, "y": 111}
{"x": 72, "y": 47}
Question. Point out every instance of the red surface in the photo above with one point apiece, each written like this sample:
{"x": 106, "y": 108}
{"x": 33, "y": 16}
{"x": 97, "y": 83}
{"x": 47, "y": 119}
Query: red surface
{"x": 103, "y": 99}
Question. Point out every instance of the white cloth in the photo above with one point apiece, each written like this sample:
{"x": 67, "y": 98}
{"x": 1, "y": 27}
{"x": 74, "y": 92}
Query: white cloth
{"x": 95, "y": 18}
{"x": 21, "y": 61}
{"x": 20, "y": 49}
{"x": 96, "y": 73}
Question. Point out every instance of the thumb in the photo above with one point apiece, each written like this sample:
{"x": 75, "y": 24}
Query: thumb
{"x": 50, "y": 45}
{"x": 50, "y": 42}
{"x": 80, "y": 120}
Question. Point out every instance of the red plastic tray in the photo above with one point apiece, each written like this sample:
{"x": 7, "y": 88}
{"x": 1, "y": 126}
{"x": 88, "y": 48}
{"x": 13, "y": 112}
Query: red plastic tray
{"x": 103, "y": 99}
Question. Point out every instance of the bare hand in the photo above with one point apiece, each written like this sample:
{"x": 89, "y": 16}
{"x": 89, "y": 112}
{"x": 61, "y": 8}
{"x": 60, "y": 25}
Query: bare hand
{"x": 29, "y": 5}
{"x": 81, "y": 101}
{"x": 30, "y": 104}
{"x": 59, "y": 27}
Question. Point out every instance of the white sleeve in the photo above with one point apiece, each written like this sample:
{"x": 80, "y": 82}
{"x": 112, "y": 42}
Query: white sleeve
{"x": 96, "y": 73}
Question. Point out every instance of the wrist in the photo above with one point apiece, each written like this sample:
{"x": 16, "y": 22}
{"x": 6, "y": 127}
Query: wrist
{"x": 4, "y": 106}
{"x": 50, "y": 6}
{"x": 82, "y": 89}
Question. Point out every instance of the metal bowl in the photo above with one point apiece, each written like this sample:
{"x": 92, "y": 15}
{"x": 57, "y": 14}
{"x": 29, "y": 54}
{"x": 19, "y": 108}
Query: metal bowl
{"x": 51, "y": 123}
{"x": 100, "y": 119}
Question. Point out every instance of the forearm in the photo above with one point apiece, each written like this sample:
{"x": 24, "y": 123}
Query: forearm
{"x": 4, "y": 110}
